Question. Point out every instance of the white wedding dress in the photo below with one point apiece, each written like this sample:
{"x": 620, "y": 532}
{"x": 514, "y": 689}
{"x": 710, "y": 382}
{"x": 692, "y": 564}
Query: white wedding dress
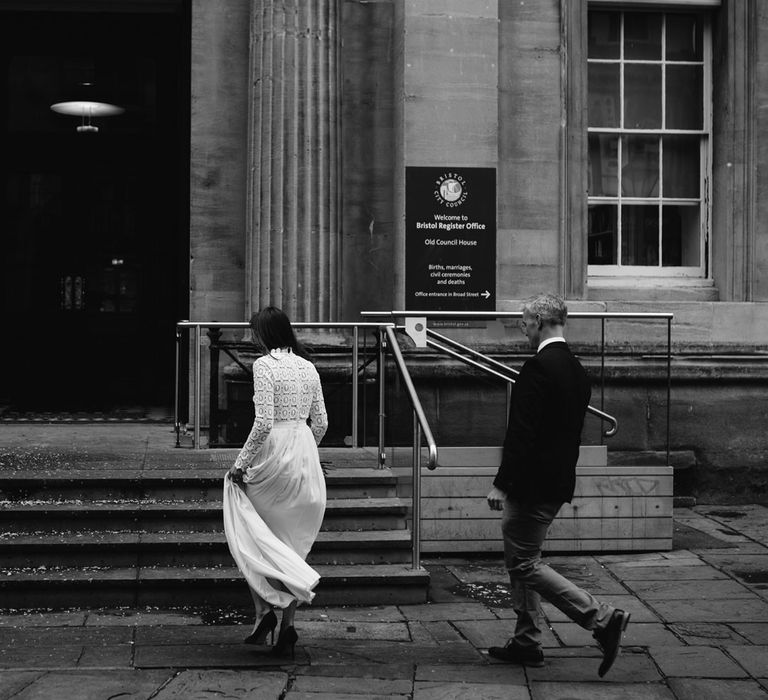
{"x": 272, "y": 521}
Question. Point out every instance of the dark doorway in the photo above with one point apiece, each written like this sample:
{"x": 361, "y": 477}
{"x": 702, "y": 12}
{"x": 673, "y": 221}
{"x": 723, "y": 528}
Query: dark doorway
{"x": 94, "y": 226}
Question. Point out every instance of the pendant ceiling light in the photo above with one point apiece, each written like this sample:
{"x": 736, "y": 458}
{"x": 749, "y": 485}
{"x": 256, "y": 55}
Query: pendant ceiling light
{"x": 84, "y": 104}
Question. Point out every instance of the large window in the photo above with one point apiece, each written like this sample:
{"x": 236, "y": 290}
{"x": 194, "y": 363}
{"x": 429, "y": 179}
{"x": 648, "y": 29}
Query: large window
{"x": 649, "y": 88}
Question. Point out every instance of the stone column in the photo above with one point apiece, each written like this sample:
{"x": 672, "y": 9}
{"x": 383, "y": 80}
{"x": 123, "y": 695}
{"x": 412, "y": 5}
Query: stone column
{"x": 293, "y": 212}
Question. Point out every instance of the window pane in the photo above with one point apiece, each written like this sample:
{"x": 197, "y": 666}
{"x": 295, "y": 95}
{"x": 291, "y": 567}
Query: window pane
{"x": 680, "y": 236}
{"x": 639, "y": 235}
{"x": 684, "y": 97}
{"x": 682, "y": 161}
{"x": 602, "y": 234}
{"x": 642, "y": 36}
{"x": 640, "y": 166}
{"x": 603, "y": 88}
{"x": 603, "y": 32}
{"x": 684, "y": 38}
{"x": 603, "y": 165}
{"x": 642, "y": 95}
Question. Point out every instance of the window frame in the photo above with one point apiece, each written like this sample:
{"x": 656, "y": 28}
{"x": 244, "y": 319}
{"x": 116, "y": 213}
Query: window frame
{"x": 669, "y": 274}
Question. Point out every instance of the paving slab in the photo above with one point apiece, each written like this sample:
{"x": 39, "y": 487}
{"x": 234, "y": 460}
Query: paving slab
{"x": 447, "y": 611}
{"x": 394, "y": 631}
{"x": 480, "y": 572}
{"x": 195, "y": 634}
{"x": 202, "y": 685}
{"x": 433, "y": 632}
{"x": 378, "y": 613}
{"x": 403, "y": 671}
{"x": 11, "y": 682}
{"x": 489, "y": 633}
{"x": 44, "y": 619}
{"x": 506, "y": 674}
{"x": 749, "y": 520}
{"x": 640, "y": 634}
{"x": 712, "y": 633}
{"x": 139, "y": 618}
{"x": 752, "y": 658}
{"x": 701, "y": 571}
{"x": 290, "y": 695}
{"x": 446, "y": 690}
{"x": 344, "y": 652}
{"x": 212, "y": 656}
{"x": 110, "y": 656}
{"x": 695, "y": 662}
{"x": 714, "y": 528}
{"x": 600, "y": 691}
{"x": 716, "y": 689}
{"x": 30, "y": 657}
{"x": 54, "y": 636}
{"x": 681, "y": 557}
{"x": 689, "y": 590}
{"x": 343, "y": 686}
{"x": 741, "y": 610}
{"x": 126, "y": 685}
{"x": 628, "y": 668}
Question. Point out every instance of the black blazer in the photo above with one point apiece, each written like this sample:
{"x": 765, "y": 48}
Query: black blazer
{"x": 541, "y": 448}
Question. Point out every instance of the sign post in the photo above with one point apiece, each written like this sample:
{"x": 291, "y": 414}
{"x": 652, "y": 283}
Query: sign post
{"x": 450, "y": 239}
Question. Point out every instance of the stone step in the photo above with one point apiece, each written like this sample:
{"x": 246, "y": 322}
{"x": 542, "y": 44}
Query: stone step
{"x": 57, "y": 588}
{"x": 204, "y": 549}
{"x": 33, "y": 516}
{"x": 172, "y": 484}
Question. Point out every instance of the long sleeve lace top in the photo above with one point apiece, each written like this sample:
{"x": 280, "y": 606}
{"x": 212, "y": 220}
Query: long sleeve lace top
{"x": 286, "y": 387}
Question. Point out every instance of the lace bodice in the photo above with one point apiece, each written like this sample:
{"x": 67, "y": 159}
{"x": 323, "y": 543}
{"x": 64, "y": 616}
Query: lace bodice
{"x": 286, "y": 387}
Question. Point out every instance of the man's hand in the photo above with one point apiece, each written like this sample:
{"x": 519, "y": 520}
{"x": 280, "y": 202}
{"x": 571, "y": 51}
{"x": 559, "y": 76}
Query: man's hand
{"x": 236, "y": 475}
{"x": 496, "y": 499}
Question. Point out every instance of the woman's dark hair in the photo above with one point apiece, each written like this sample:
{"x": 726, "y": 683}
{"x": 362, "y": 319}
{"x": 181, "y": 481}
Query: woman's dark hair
{"x": 272, "y": 329}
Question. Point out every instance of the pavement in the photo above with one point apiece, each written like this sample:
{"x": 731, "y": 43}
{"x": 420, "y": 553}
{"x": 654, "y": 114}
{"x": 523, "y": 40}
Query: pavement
{"x": 699, "y": 627}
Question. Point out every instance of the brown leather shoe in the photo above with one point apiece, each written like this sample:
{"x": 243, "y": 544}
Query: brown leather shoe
{"x": 609, "y": 639}
{"x": 515, "y": 654}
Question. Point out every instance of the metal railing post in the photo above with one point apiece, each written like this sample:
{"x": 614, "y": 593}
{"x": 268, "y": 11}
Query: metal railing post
{"x": 602, "y": 371}
{"x": 214, "y": 335}
{"x": 198, "y": 379}
{"x": 416, "y": 507}
{"x": 382, "y": 415}
{"x": 355, "y": 384}
{"x": 669, "y": 383}
{"x": 176, "y": 411}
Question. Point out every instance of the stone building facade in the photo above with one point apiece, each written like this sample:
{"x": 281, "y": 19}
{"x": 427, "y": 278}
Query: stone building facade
{"x": 307, "y": 114}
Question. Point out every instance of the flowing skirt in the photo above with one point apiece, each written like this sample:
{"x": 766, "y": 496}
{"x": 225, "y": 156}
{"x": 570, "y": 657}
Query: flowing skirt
{"x": 272, "y": 521}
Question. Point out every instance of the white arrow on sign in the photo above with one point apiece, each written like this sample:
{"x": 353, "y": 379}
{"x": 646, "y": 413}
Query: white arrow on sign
{"x": 485, "y": 294}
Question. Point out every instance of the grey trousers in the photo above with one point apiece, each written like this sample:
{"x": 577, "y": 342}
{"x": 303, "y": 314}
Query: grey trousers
{"x": 525, "y": 526}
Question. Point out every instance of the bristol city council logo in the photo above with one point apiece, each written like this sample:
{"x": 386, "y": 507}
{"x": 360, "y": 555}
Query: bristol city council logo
{"x": 451, "y": 189}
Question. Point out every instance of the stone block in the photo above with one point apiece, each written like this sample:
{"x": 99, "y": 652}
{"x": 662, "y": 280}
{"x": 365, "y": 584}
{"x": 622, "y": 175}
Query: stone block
{"x": 600, "y": 691}
{"x": 715, "y": 689}
{"x": 695, "y": 662}
{"x": 752, "y": 658}
{"x": 213, "y": 683}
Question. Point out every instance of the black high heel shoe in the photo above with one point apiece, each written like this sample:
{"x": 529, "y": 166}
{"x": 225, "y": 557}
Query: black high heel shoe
{"x": 286, "y": 640}
{"x": 266, "y": 626}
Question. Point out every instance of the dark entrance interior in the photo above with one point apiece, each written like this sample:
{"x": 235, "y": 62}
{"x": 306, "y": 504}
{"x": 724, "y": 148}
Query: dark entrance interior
{"x": 94, "y": 225}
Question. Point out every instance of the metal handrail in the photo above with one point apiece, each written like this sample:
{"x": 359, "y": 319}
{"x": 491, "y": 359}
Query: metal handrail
{"x": 420, "y": 425}
{"x": 600, "y": 315}
{"x": 510, "y": 380}
{"x": 413, "y": 396}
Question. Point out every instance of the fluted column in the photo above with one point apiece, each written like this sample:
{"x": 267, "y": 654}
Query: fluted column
{"x": 293, "y": 218}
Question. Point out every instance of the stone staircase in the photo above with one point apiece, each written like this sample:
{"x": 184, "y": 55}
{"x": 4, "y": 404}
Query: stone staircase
{"x": 92, "y": 534}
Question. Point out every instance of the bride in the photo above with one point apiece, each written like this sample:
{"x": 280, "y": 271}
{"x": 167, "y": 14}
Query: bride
{"x": 274, "y": 494}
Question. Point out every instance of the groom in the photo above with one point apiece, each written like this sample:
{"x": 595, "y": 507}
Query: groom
{"x": 537, "y": 475}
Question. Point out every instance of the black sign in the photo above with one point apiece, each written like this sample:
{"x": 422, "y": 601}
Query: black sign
{"x": 450, "y": 239}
